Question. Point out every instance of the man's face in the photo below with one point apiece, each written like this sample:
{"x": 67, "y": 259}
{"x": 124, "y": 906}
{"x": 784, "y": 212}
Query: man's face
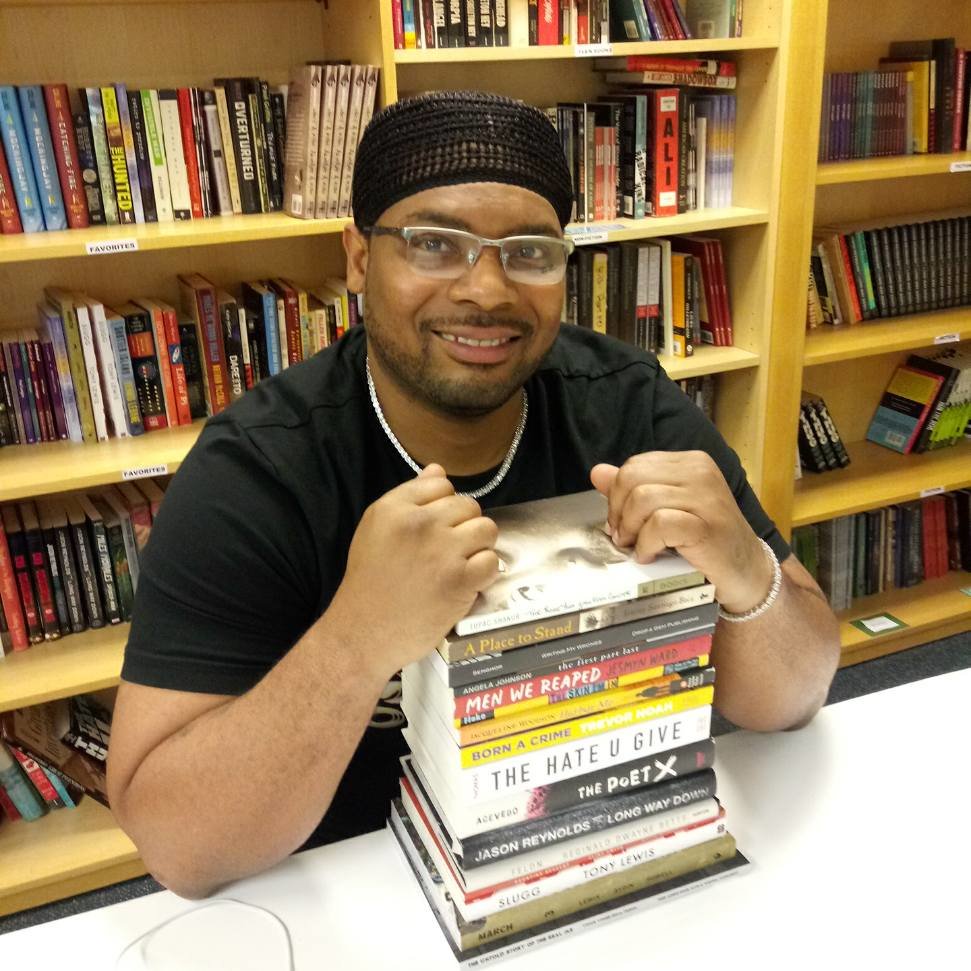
{"x": 416, "y": 325}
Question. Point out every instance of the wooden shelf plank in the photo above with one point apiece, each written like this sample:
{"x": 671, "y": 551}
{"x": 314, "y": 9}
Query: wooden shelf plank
{"x": 88, "y": 661}
{"x": 69, "y": 851}
{"x": 29, "y": 247}
{"x": 896, "y": 167}
{"x": 701, "y": 220}
{"x": 708, "y": 360}
{"x": 33, "y": 470}
{"x": 827, "y": 344}
{"x": 549, "y": 52}
{"x": 878, "y": 477}
{"x": 925, "y": 609}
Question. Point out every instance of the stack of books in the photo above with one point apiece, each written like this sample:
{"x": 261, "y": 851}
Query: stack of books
{"x": 561, "y": 760}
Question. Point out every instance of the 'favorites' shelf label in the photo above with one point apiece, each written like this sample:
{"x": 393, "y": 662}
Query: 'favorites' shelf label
{"x": 107, "y": 246}
{"x": 931, "y": 491}
{"x": 961, "y": 166}
{"x": 144, "y": 472}
{"x": 880, "y": 624}
{"x": 598, "y": 50}
{"x": 947, "y": 338}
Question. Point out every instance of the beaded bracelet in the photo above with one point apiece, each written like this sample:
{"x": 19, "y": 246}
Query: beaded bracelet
{"x": 770, "y": 597}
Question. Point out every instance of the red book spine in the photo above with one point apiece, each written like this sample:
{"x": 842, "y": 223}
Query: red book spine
{"x": 212, "y": 349}
{"x": 679, "y": 65}
{"x": 468, "y": 706}
{"x": 9, "y": 216}
{"x": 398, "y": 25}
{"x": 10, "y": 598}
{"x": 671, "y": 19}
{"x": 171, "y": 326}
{"x": 38, "y": 777}
{"x": 598, "y": 173}
{"x": 850, "y": 280}
{"x": 189, "y": 150}
{"x": 724, "y": 303}
{"x": 6, "y": 804}
{"x": 942, "y": 557}
{"x": 66, "y": 154}
{"x": 666, "y": 152}
{"x": 42, "y": 583}
{"x": 549, "y": 23}
{"x": 961, "y": 101}
{"x": 583, "y": 22}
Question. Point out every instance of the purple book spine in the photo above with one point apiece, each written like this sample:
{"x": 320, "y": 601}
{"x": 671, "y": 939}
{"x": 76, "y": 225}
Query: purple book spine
{"x": 54, "y": 388}
{"x": 21, "y": 380}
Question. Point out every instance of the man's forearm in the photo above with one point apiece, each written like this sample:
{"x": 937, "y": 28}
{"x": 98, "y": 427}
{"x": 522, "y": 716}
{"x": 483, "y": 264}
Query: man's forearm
{"x": 774, "y": 671}
{"x": 245, "y": 784}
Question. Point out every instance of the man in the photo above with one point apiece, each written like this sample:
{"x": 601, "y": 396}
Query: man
{"x": 332, "y": 526}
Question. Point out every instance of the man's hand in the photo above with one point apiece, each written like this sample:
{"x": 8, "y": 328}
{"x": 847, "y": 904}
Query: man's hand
{"x": 681, "y": 500}
{"x": 419, "y": 557}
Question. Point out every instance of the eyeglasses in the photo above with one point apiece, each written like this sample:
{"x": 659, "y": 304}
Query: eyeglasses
{"x": 445, "y": 254}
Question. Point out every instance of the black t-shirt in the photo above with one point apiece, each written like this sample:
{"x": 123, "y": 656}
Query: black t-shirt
{"x": 252, "y": 539}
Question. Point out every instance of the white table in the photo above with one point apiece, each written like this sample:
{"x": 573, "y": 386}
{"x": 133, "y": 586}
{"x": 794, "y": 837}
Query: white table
{"x": 857, "y": 827}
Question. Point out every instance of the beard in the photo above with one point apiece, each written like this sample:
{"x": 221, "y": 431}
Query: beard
{"x": 478, "y": 394}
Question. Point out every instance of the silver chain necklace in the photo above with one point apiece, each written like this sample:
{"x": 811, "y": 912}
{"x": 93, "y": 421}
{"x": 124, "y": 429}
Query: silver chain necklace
{"x": 476, "y": 493}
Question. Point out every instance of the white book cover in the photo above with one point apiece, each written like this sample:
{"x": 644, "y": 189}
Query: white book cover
{"x": 174, "y": 155}
{"x": 340, "y": 132}
{"x": 106, "y": 365}
{"x": 555, "y": 557}
{"x": 358, "y": 84}
{"x": 91, "y": 370}
{"x": 325, "y": 144}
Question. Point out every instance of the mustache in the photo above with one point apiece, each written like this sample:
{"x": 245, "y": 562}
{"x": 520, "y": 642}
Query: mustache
{"x": 523, "y": 327}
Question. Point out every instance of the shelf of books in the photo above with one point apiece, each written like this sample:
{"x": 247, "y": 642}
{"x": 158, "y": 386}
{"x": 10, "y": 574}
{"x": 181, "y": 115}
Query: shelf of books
{"x": 64, "y": 853}
{"x": 932, "y": 609}
{"x": 31, "y": 470}
{"x": 879, "y": 477}
{"x": 179, "y": 235}
{"x": 56, "y": 669}
{"x": 895, "y": 167}
{"x": 544, "y": 52}
{"x": 825, "y": 345}
{"x": 698, "y": 221}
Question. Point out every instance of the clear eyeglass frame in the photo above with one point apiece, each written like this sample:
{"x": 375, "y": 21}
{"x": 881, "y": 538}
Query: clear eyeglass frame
{"x": 444, "y": 253}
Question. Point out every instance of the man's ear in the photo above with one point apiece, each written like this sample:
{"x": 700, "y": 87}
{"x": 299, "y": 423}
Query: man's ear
{"x": 356, "y": 251}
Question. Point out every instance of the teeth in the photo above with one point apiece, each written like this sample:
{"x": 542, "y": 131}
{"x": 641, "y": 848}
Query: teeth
{"x": 471, "y": 342}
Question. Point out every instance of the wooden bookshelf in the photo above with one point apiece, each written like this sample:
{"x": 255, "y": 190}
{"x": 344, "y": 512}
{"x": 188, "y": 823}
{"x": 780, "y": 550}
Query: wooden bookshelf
{"x": 699, "y": 221}
{"x": 878, "y": 476}
{"x": 218, "y": 230}
{"x": 58, "y": 669}
{"x": 826, "y": 345}
{"x": 521, "y": 52}
{"x": 66, "y": 852}
{"x": 895, "y": 167}
{"x": 709, "y": 360}
{"x": 32, "y": 470}
{"x": 932, "y": 609}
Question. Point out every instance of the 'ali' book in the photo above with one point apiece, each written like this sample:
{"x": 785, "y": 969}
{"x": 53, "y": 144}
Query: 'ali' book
{"x": 556, "y": 557}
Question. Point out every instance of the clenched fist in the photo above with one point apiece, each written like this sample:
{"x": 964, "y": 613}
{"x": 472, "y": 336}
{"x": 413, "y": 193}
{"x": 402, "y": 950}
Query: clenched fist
{"x": 419, "y": 557}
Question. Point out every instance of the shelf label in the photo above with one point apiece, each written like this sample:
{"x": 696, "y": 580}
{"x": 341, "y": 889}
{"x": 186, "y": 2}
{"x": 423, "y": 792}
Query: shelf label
{"x": 587, "y": 235}
{"x": 604, "y": 50}
{"x": 108, "y": 246}
{"x": 880, "y": 624}
{"x": 144, "y": 472}
{"x": 947, "y": 338}
{"x": 961, "y": 166}
{"x": 931, "y": 491}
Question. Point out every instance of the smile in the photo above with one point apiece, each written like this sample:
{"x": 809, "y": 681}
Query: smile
{"x": 472, "y": 342}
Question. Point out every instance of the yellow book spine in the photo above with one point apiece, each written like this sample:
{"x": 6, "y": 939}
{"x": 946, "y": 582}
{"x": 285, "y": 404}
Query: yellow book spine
{"x": 616, "y": 695}
{"x": 75, "y": 358}
{"x": 570, "y": 731}
{"x": 679, "y": 327}
{"x": 599, "y": 322}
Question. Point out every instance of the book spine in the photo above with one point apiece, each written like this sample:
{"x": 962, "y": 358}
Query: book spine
{"x": 104, "y": 571}
{"x": 118, "y": 160}
{"x": 211, "y": 347}
{"x": 143, "y": 160}
{"x": 57, "y": 582}
{"x": 175, "y": 161}
{"x": 243, "y": 145}
{"x": 146, "y": 370}
{"x": 121, "y": 356}
{"x": 41, "y": 575}
{"x": 172, "y": 342}
{"x": 159, "y": 337}
{"x": 66, "y": 155}
{"x": 274, "y": 159}
{"x": 109, "y": 376}
{"x": 93, "y": 111}
{"x": 53, "y": 386}
{"x": 566, "y": 760}
{"x": 90, "y": 357}
{"x": 154, "y": 141}
{"x": 9, "y": 217}
{"x": 202, "y": 153}
{"x": 10, "y": 597}
{"x": 87, "y": 574}
{"x": 254, "y": 107}
{"x": 131, "y": 157}
{"x": 190, "y": 151}
{"x": 38, "y": 131}
{"x": 19, "y": 558}
{"x": 35, "y": 368}
{"x": 17, "y": 153}
{"x": 90, "y": 177}
{"x": 69, "y": 577}
{"x": 665, "y": 152}
{"x": 222, "y": 110}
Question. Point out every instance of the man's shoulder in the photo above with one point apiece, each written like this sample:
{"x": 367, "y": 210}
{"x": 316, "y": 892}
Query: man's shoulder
{"x": 579, "y": 353}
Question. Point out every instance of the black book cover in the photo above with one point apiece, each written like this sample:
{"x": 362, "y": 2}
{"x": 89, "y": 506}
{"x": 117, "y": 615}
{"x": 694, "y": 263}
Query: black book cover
{"x": 842, "y": 456}
{"x": 256, "y": 360}
{"x": 810, "y": 452}
{"x": 57, "y": 581}
{"x": 469, "y": 22}
{"x": 200, "y": 135}
{"x": 120, "y": 567}
{"x": 274, "y": 157}
{"x": 143, "y": 162}
{"x": 254, "y": 106}
{"x": 278, "y": 106}
{"x": 87, "y": 564}
{"x": 950, "y": 375}
{"x": 825, "y": 445}
{"x": 102, "y": 562}
{"x": 500, "y": 23}
{"x": 192, "y": 365}
{"x": 483, "y": 23}
{"x": 56, "y": 519}
{"x": 456, "y": 28}
{"x": 8, "y": 423}
{"x": 242, "y": 137}
{"x": 232, "y": 343}
{"x": 88, "y": 164}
